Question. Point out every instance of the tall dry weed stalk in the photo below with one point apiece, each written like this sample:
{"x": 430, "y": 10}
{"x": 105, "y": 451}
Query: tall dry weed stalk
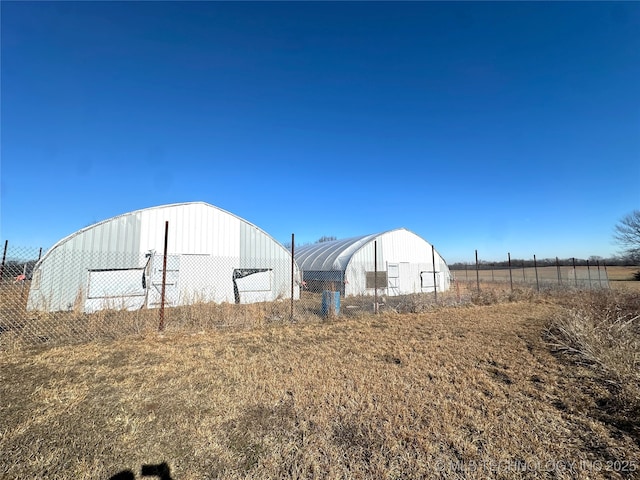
{"x": 601, "y": 329}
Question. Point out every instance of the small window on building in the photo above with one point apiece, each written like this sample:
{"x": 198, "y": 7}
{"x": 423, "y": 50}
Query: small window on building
{"x": 394, "y": 270}
{"x": 427, "y": 279}
{"x": 380, "y": 282}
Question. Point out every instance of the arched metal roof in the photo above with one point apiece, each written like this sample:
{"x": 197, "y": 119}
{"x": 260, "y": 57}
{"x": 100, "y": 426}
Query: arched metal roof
{"x": 96, "y": 225}
{"x": 335, "y": 255}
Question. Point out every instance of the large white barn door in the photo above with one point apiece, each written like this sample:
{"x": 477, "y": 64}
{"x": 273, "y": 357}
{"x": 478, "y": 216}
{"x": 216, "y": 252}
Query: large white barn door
{"x": 171, "y": 284}
{"x": 115, "y": 288}
{"x": 404, "y": 280}
{"x": 399, "y": 278}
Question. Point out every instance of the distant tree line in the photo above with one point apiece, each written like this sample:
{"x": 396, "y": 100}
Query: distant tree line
{"x": 13, "y": 268}
{"x": 326, "y": 238}
{"x": 322, "y": 239}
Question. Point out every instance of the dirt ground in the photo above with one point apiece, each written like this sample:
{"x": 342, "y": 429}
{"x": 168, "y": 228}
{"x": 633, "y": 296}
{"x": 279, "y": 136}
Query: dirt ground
{"x": 457, "y": 392}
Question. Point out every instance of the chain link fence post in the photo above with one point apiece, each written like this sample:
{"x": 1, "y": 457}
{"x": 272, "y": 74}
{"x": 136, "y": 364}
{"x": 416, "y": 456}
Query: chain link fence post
{"x": 164, "y": 277}
{"x": 477, "y": 272}
{"x": 510, "y": 274}
{"x": 435, "y": 283}
{"x": 293, "y": 239}
{"x": 4, "y": 258}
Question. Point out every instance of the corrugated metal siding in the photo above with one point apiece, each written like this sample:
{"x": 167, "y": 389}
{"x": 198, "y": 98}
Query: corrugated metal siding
{"x": 394, "y": 247}
{"x": 196, "y": 228}
{"x": 403, "y": 246}
{"x": 329, "y": 256}
{"x": 119, "y": 234}
{"x": 206, "y": 278}
{"x": 63, "y": 270}
{"x": 64, "y": 276}
{"x": 121, "y": 242}
{"x": 259, "y": 250}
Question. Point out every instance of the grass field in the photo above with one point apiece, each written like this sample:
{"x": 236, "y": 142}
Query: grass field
{"x": 621, "y": 274}
{"x": 620, "y": 278}
{"x": 458, "y": 392}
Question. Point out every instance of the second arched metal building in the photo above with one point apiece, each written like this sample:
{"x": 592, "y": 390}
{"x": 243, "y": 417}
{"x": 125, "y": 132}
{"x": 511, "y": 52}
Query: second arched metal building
{"x": 405, "y": 264}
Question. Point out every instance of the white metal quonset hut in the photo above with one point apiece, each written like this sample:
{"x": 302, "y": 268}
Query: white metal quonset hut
{"x": 212, "y": 256}
{"x": 404, "y": 265}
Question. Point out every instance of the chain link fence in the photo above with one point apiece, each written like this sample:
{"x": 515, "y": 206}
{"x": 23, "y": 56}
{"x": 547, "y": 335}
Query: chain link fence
{"x": 539, "y": 277}
{"x": 78, "y": 296}
{"x": 75, "y": 296}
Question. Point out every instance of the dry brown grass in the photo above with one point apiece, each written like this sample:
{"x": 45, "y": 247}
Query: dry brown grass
{"x": 601, "y": 330}
{"x": 19, "y": 327}
{"x": 622, "y": 273}
{"x": 546, "y": 276}
{"x": 621, "y": 279}
{"x": 457, "y": 392}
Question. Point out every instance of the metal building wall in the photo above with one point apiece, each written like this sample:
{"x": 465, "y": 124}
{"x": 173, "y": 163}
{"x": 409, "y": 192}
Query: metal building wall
{"x": 210, "y": 242}
{"x": 206, "y": 238}
{"x": 194, "y": 228}
{"x": 395, "y": 247}
{"x": 259, "y": 250}
{"x": 60, "y": 278}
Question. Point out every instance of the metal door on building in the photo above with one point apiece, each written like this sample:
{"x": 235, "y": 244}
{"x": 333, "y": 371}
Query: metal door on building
{"x": 399, "y": 278}
{"x": 404, "y": 283}
{"x": 393, "y": 274}
{"x": 171, "y": 281}
{"x": 116, "y": 288}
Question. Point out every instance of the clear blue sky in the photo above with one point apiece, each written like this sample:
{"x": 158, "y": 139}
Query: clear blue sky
{"x": 502, "y": 127}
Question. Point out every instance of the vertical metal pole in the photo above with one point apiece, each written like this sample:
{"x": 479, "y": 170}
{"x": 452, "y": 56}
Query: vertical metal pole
{"x": 32, "y": 268}
{"x": 466, "y": 272}
{"x": 510, "y": 275}
{"x": 524, "y": 277}
{"x": 375, "y": 276}
{"x": 477, "y": 273}
{"x": 599, "y": 279}
{"x": 492, "y": 279}
{"x": 435, "y": 285}
{"x": 575, "y": 275}
{"x": 4, "y": 257}
{"x": 558, "y": 268}
{"x": 164, "y": 276}
{"x": 24, "y": 275}
{"x": 535, "y": 267}
{"x": 589, "y": 273}
{"x": 606, "y": 274}
{"x": 292, "y": 267}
